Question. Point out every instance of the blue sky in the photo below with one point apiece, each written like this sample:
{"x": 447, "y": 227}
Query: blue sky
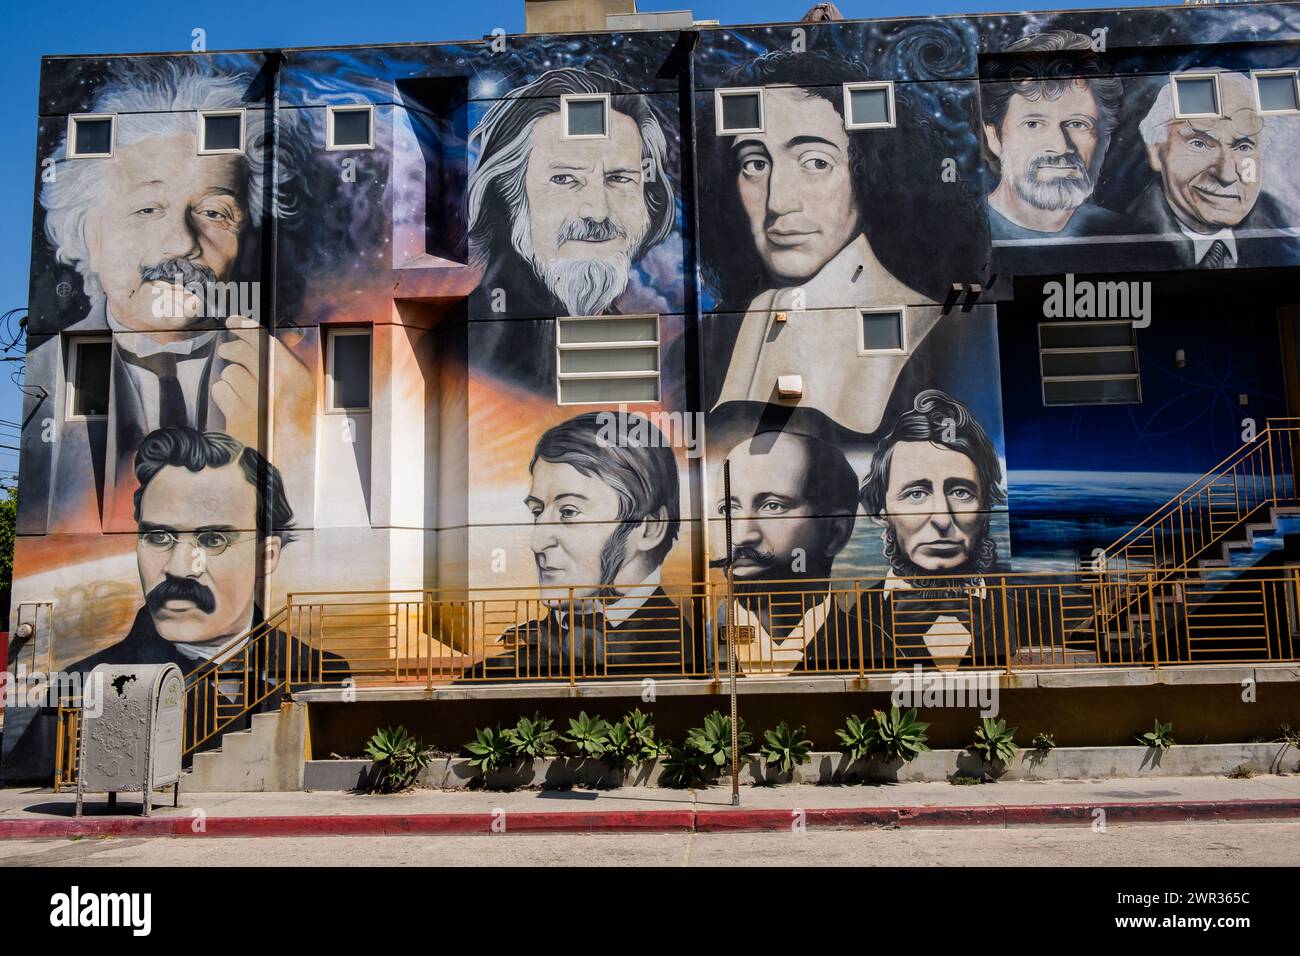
{"x": 28, "y": 31}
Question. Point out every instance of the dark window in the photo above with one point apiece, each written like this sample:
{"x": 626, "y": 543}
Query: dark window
{"x": 1089, "y": 363}
{"x": 869, "y": 106}
{"x": 882, "y": 331}
{"x": 586, "y": 117}
{"x": 350, "y": 370}
{"x": 741, "y": 111}
{"x": 93, "y": 137}
{"x": 1277, "y": 93}
{"x": 223, "y": 132}
{"x": 1197, "y": 96}
{"x": 91, "y": 362}
{"x": 352, "y": 127}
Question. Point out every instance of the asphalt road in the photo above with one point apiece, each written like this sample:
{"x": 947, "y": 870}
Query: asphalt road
{"x": 1205, "y": 844}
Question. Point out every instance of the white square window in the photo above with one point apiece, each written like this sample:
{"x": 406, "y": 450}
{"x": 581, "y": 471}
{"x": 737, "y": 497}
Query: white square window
{"x": 1277, "y": 91}
{"x": 221, "y": 131}
{"x": 90, "y": 136}
{"x": 585, "y": 115}
{"x": 347, "y": 383}
{"x": 739, "y": 110}
{"x": 869, "y": 105}
{"x": 1196, "y": 94}
{"x": 350, "y": 127}
{"x": 607, "y": 358}
{"x": 882, "y": 330}
{"x": 90, "y": 363}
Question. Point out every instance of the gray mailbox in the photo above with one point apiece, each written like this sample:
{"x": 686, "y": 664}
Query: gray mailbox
{"x": 132, "y": 739}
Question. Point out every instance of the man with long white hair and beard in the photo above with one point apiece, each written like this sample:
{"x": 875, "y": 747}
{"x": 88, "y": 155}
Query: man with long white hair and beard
{"x": 557, "y": 220}
{"x": 1048, "y": 114}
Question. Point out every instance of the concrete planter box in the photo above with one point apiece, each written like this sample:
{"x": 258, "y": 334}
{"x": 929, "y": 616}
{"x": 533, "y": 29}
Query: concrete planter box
{"x": 935, "y": 766}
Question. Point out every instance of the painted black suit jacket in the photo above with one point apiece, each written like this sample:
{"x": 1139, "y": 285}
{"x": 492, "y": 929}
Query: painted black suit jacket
{"x": 1151, "y": 214}
{"x": 656, "y": 639}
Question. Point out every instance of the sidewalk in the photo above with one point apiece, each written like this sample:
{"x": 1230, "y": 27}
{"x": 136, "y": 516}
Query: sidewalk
{"x": 26, "y": 813}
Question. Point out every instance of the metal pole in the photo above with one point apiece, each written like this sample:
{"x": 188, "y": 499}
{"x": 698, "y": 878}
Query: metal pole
{"x": 731, "y": 643}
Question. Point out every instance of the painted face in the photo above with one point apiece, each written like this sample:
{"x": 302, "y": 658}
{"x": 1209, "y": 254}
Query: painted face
{"x": 165, "y": 212}
{"x": 1211, "y": 167}
{"x": 933, "y": 505}
{"x": 777, "y": 532}
{"x": 1049, "y": 147}
{"x": 573, "y": 518}
{"x": 796, "y": 184}
{"x": 198, "y": 560}
{"x": 586, "y": 197}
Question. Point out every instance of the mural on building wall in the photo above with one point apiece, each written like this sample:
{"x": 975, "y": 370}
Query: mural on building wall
{"x": 826, "y": 259}
{"x": 1111, "y": 168}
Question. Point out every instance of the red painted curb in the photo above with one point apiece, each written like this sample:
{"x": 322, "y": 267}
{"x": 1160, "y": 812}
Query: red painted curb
{"x": 644, "y": 821}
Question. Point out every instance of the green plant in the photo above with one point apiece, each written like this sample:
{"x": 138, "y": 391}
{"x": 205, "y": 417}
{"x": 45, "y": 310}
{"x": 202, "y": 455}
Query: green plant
{"x": 532, "y": 737}
{"x": 857, "y": 737}
{"x": 685, "y": 767}
{"x": 398, "y": 759}
{"x": 491, "y": 750}
{"x": 785, "y": 747}
{"x": 898, "y": 735}
{"x": 1044, "y": 743}
{"x": 641, "y": 731}
{"x": 713, "y": 740}
{"x": 1241, "y": 772}
{"x": 1290, "y": 735}
{"x": 964, "y": 780}
{"x": 993, "y": 741}
{"x": 632, "y": 741}
{"x": 588, "y": 736}
{"x": 1161, "y": 736}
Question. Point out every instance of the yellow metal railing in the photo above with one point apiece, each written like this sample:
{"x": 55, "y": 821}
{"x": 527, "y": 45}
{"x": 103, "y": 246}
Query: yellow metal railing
{"x": 1143, "y": 603}
{"x": 1256, "y": 477}
{"x": 847, "y": 627}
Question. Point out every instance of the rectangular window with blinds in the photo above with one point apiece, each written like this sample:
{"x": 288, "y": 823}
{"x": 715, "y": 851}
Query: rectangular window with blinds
{"x": 607, "y": 358}
{"x": 1089, "y": 363}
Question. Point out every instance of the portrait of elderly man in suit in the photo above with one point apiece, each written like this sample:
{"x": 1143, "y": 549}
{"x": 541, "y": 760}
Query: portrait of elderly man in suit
{"x": 1048, "y": 111}
{"x": 604, "y": 498}
{"x": 1208, "y": 197}
{"x": 159, "y": 216}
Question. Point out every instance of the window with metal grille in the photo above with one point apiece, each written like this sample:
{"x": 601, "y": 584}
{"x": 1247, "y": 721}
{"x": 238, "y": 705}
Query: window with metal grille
{"x": 1089, "y": 363}
{"x": 608, "y": 358}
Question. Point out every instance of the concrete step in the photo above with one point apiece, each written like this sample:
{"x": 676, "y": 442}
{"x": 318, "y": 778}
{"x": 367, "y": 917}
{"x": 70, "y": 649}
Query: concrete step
{"x": 267, "y": 756}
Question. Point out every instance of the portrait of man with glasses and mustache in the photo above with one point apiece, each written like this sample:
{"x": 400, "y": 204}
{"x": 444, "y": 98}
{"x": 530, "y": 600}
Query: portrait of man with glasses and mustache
{"x": 212, "y": 519}
{"x": 1048, "y": 111}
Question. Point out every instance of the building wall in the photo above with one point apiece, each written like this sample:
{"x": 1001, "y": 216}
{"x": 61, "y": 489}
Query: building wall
{"x": 413, "y": 240}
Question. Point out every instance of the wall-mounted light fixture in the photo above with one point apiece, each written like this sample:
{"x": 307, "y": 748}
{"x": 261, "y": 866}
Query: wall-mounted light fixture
{"x": 1180, "y": 359}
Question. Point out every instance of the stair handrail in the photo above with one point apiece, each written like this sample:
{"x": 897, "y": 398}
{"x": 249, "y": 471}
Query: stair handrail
{"x": 1142, "y": 527}
{"x": 209, "y": 675}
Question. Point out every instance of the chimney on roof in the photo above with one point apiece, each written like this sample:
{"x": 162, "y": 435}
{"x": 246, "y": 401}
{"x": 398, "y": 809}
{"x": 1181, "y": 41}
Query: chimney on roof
{"x": 572, "y": 16}
{"x": 821, "y": 13}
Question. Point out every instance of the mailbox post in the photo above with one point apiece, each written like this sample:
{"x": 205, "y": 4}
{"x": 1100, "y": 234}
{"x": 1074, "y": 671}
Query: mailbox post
{"x": 132, "y": 739}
